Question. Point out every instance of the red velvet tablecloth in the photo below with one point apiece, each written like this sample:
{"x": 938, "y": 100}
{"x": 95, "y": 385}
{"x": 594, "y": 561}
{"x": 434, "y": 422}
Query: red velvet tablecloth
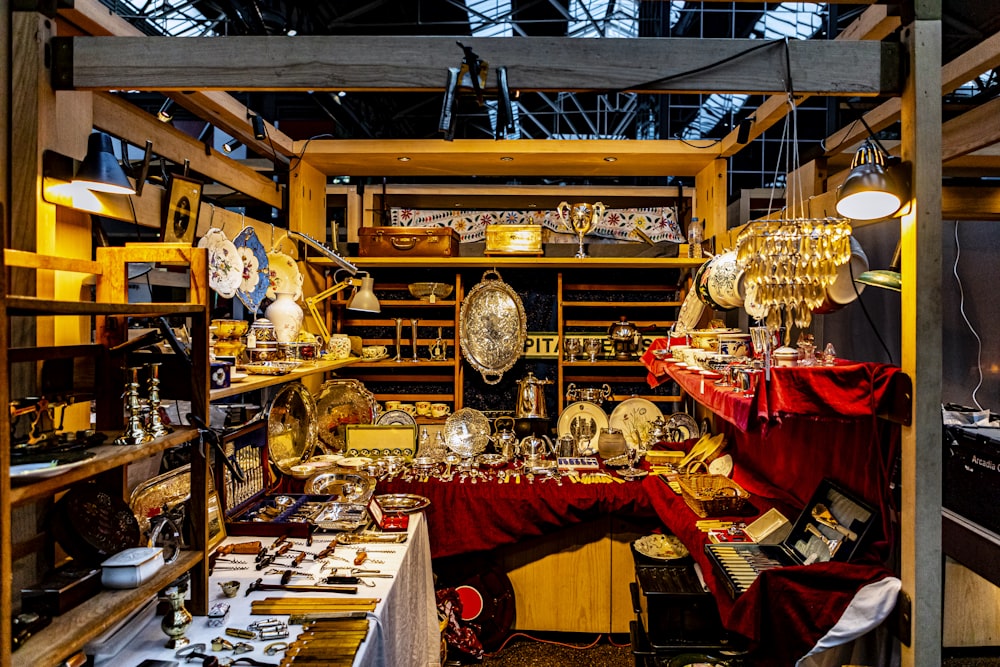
{"x": 466, "y": 517}
{"x": 805, "y": 424}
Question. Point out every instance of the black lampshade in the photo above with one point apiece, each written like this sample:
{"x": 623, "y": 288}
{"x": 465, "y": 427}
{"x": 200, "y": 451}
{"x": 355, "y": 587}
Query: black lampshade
{"x": 100, "y": 170}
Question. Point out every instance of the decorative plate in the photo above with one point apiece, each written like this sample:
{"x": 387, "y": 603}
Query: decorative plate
{"x": 661, "y": 547}
{"x": 583, "y": 420}
{"x": 690, "y": 312}
{"x": 91, "y": 524}
{"x": 54, "y": 464}
{"x": 265, "y": 369}
{"x": 225, "y": 268}
{"x": 492, "y": 327}
{"x": 395, "y": 418}
{"x": 402, "y": 503}
{"x": 256, "y": 276}
{"x": 291, "y": 426}
{"x": 634, "y": 418}
{"x": 284, "y": 276}
{"x": 467, "y": 432}
{"x": 342, "y": 402}
{"x": 681, "y": 426}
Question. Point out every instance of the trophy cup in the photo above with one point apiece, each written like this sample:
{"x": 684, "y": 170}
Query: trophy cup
{"x": 580, "y": 218}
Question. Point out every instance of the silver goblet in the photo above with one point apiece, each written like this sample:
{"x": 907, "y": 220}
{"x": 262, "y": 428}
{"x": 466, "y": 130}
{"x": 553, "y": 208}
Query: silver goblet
{"x": 573, "y": 347}
{"x": 593, "y": 347}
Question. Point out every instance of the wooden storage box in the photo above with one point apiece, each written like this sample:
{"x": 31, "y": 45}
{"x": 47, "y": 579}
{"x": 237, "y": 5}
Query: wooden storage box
{"x": 407, "y": 242}
{"x": 809, "y": 541}
{"x": 249, "y": 506}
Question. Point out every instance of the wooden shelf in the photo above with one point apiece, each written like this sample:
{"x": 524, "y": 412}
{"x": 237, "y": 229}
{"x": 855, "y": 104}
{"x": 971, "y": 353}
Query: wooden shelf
{"x": 608, "y": 363}
{"x": 69, "y": 632}
{"x": 29, "y": 305}
{"x": 255, "y": 382}
{"x": 521, "y": 262}
{"x": 621, "y": 304}
{"x": 107, "y": 457}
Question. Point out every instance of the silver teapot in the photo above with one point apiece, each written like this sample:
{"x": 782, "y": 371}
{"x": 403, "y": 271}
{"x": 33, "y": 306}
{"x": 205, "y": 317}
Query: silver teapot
{"x": 505, "y": 440}
{"x": 593, "y": 394}
{"x": 531, "y": 397}
{"x": 536, "y": 448}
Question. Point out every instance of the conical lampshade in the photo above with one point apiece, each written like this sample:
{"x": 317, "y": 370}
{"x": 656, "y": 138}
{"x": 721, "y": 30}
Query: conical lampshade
{"x": 364, "y": 299}
{"x": 100, "y": 170}
{"x": 870, "y": 192}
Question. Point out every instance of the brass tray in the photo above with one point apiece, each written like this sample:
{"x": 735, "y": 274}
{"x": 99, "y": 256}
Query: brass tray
{"x": 492, "y": 327}
{"x": 403, "y": 503}
{"x": 339, "y": 403}
{"x": 291, "y": 426}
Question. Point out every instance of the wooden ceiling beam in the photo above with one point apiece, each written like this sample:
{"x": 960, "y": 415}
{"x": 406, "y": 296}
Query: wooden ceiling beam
{"x": 980, "y": 58}
{"x": 219, "y": 108}
{"x": 119, "y": 118}
{"x": 524, "y": 157}
{"x": 875, "y": 23}
{"x": 407, "y": 63}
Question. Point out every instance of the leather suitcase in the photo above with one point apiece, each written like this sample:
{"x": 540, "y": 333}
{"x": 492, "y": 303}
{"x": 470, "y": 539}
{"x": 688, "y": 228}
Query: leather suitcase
{"x": 407, "y": 242}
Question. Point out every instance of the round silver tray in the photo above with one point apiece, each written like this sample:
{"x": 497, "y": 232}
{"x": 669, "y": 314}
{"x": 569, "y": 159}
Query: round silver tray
{"x": 291, "y": 426}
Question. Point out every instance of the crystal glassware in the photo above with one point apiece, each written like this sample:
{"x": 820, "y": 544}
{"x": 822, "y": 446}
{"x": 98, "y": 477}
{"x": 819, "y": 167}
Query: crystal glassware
{"x": 593, "y": 347}
{"x": 572, "y": 347}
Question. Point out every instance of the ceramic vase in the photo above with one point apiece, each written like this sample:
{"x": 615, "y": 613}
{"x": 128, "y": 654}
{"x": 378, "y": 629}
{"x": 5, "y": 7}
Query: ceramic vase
{"x": 286, "y": 315}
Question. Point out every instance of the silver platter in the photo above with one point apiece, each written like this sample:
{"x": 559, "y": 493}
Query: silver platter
{"x": 492, "y": 327}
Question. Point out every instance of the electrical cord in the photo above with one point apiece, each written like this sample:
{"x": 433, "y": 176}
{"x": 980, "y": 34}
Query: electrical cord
{"x": 542, "y": 641}
{"x": 703, "y": 68}
{"x": 961, "y": 309}
{"x": 871, "y": 323}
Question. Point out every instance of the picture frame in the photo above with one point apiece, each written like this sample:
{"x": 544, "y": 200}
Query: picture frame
{"x": 180, "y": 213}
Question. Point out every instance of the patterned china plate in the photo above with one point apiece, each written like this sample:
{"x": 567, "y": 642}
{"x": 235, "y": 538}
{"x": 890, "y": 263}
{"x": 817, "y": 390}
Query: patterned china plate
{"x": 395, "y": 418}
{"x": 255, "y": 278}
{"x": 633, "y": 417}
{"x": 581, "y": 419}
{"x": 225, "y": 268}
{"x": 285, "y": 276}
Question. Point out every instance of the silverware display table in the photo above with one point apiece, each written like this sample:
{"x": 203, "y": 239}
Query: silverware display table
{"x": 403, "y": 629}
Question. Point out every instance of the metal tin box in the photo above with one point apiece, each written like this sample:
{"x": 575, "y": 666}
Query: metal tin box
{"x": 675, "y": 610}
{"x": 514, "y": 240}
{"x": 407, "y": 242}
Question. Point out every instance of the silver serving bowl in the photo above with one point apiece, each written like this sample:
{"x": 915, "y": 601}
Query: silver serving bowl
{"x": 348, "y": 487}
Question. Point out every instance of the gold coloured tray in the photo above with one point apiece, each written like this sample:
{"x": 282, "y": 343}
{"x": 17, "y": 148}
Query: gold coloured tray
{"x": 291, "y": 426}
{"x": 402, "y": 503}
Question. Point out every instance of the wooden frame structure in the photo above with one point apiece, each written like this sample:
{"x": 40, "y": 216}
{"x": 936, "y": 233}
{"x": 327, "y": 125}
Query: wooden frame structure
{"x": 345, "y": 65}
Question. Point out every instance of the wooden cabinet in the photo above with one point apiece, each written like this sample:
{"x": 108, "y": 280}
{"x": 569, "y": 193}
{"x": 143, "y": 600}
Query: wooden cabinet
{"x": 589, "y": 303}
{"x": 108, "y": 318}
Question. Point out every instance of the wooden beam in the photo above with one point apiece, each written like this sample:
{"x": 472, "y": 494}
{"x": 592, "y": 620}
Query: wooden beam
{"x": 525, "y": 157}
{"x": 970, "y": 203}
{"x": 124, "y": 120}
{"x": 219, "y": 108}
{"x": 975, "y": 129}
{"x": 875, "y": 24}
{"x": 710, "y": 200}
{"x": 402, "y": 63}
{"x": 981, "y": 58}
{"x": 921, "y": 343}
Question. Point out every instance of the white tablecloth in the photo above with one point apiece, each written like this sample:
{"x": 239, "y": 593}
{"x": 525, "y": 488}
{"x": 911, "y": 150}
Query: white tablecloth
{"x": 403, "y": 629}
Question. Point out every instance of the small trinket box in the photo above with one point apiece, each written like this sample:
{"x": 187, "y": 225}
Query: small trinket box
{"x": 132, "y": 567}
{"x": 218, "y": 614}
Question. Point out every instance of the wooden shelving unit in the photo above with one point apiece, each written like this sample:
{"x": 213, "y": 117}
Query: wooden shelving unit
{"x": 106, "y": 319}
{"x": 255, "y": 382}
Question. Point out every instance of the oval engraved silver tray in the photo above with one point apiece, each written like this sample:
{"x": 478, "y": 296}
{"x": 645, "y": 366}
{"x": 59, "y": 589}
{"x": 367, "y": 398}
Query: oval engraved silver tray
{"x": 492, "y": 327}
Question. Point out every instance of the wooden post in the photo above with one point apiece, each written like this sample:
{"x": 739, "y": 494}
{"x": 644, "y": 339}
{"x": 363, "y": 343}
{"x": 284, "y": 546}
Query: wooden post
{"x": 710, "y": 201}
{"x": 921, "y": 566}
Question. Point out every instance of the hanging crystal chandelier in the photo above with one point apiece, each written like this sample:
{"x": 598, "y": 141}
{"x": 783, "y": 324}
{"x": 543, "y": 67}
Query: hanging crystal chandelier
{"x": 790, "y": 260}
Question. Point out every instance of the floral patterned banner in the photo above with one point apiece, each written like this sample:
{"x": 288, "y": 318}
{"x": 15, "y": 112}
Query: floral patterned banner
{"x": 659, "y": 224}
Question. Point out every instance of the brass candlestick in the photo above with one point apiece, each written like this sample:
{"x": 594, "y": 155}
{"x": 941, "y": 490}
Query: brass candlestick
{"x": 399, "y": 340}
{"x": 156, "y": 426}
{"x": 413, "y": 339}
{"x": 135, "y": 432}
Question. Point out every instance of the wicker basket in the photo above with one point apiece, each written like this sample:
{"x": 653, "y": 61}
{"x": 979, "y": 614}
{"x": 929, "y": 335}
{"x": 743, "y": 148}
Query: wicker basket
{"x": 711, "y": 495}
